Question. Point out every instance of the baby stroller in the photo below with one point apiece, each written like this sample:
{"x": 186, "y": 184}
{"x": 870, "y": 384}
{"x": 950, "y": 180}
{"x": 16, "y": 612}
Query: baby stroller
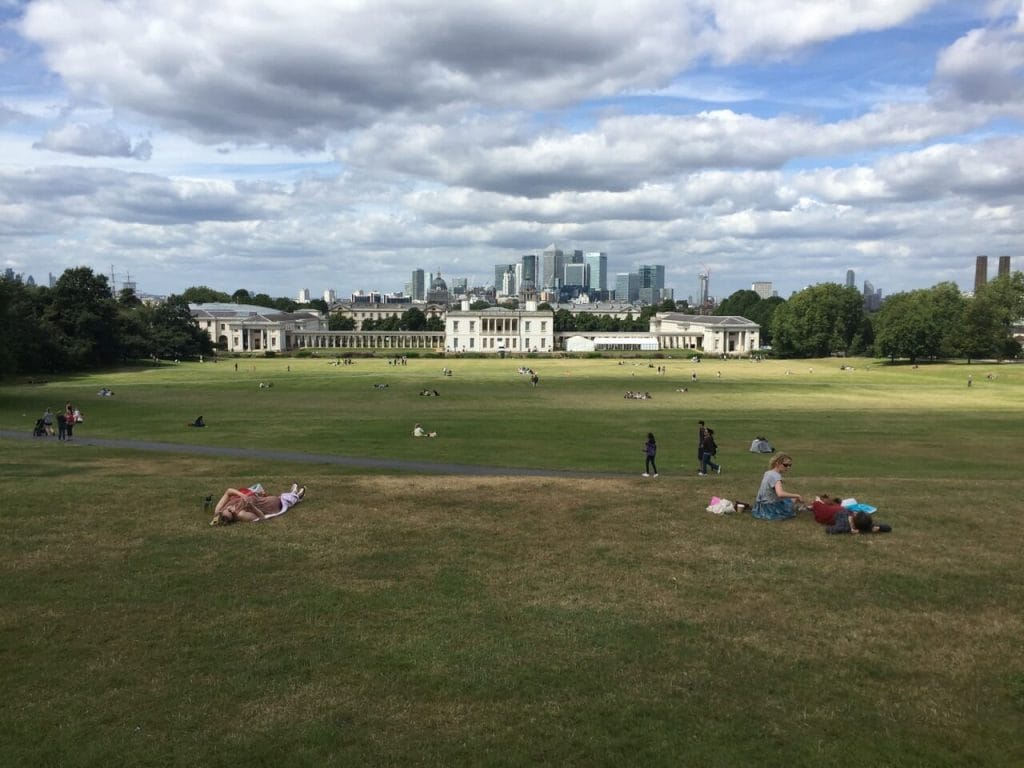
{"x": 40, "y": 429}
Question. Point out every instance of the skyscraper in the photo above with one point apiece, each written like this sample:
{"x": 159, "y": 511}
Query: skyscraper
{"x": 553, "y": 264}
{"x": 980, "y": 272}
{"x": 627, "y": 286}
{"x": 499, "y": 274}
{"x": 1004, "y": 266}
{"x": 529, "y": 276}
{"x": 764, "y": 288}
{"x": 576, "y": 275}
{"x": 652, "y": 282}
{"x": 598, "y": 263}
{"x": 418, "y": 286}
{"x": 850, "y": 281}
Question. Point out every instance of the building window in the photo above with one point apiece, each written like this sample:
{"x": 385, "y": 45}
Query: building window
{"x": 455, "y": 326}
{"x": 543, "y": 326}
{"x": 526, "y": 325}
{"x": 455, "y": 343}
{"x": 472, "y": 325}
{"x": 472, "y": 342}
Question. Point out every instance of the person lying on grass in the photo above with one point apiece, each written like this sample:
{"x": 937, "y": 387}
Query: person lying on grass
{"x": 250, "y": 506}
{"x": 857, "y": 522}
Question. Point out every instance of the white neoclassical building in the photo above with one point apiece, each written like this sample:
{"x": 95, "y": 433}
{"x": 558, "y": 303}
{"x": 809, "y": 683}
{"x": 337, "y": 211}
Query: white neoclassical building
{"x": 713, "y": 334}
{"x": 243, "y": 328}
{"x": 496, "y": 329}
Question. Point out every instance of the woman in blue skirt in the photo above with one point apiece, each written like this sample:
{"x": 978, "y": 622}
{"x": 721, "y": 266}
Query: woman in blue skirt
{"x": 773, "y": 501}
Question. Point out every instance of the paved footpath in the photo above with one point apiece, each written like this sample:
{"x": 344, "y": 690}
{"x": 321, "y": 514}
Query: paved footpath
{"x": 421, "y": 467}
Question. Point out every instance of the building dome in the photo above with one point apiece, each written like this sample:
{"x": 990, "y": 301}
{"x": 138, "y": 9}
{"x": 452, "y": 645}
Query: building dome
{"x": 438, "y": 283}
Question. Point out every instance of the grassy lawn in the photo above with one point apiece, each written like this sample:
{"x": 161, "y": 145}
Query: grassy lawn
{"x": 400, "y": 619}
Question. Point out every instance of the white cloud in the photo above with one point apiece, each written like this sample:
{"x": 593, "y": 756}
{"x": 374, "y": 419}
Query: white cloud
{"x": 94, "y": 141}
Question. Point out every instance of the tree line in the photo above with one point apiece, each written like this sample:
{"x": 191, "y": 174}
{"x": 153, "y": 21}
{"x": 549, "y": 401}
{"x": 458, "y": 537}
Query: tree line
{"x": 79, "y": 324}
{"x": 926, "y": 324}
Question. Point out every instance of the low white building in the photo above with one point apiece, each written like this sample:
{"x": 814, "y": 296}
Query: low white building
{"x": 497, "y": 329}
{"x": 624, "y": 342}
{"x": 244, "y": 328}
{"x": 712, "y": 334}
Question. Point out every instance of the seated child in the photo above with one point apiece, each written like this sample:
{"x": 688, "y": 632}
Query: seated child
{"x": 857, "y": 522}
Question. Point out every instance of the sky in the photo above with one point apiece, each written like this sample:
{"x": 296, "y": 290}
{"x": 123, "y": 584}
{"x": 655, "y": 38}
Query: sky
{"x": 279, "y": 145}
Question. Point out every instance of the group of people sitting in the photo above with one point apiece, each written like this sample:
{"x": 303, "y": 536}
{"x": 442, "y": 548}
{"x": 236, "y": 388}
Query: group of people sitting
{"x": 631, "y": 395}
{"x": 774, "y": 502}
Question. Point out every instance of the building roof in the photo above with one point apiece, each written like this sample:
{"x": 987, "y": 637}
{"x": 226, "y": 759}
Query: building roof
{"x": 228, "y": 311}
{"x": 707, "y": 320}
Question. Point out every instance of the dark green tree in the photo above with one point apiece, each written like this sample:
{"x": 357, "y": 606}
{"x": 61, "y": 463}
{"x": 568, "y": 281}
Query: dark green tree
{"x": 338, "y": 322}
{"x": 990, "y": 316}
{"x": 921, "y": 324}
{"x": 200, "y": 294}
{"x": 817, "y": 321}
{"x": 86, "y": 318}
{"x": 413, "y": 319}
{"x": 564, "y": 322}
{"x": 28, "y": 343}
{"x": 174, "y": 333}
{"x": 739, "y": 304}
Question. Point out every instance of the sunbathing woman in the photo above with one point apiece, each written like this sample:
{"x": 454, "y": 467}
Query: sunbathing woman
{"x": 249, "y": 506}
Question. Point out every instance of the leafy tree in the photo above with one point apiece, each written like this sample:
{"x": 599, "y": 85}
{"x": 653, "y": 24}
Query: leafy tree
{"x": 320, "y": 305}
{"x": 989, "y": 318}
{"x": 434, "y": 324}
{"x": 200, "y": 294}
{"x": 739, "y": 304}
{"x": 174, "y": 333}
{"x": 413, "y": 319}
{"x": 817, "y": 321}
{"x": 920, "y": 324}
{"x": 338, "y": 322}
{"x": 479, "y": 305}
{"x": 564, "y": 321}
{"x": 127, "y": 298}
{"x": 85, "y": 315}
{"x": 28, "y": 343}
{"x": 241, "y": 296}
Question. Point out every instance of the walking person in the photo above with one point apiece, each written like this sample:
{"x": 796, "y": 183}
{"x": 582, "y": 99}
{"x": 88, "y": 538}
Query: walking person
{"x": 708, "y": 450}
{"x": 62, "y": 425}
{"x": 650, "y": 451}
{"x": 69, "y": 420}
{"x": 702, "y": 433}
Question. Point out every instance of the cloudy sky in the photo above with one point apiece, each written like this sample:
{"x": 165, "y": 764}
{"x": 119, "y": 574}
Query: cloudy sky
{"x": 276, "y": 145}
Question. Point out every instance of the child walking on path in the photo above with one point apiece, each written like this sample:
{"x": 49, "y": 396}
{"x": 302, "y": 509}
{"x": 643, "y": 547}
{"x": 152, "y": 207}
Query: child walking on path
{"x": 650, "y": 450}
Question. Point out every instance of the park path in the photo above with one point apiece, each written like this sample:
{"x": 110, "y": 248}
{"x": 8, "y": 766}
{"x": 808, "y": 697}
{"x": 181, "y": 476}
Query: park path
{"x": 420, "y": 467}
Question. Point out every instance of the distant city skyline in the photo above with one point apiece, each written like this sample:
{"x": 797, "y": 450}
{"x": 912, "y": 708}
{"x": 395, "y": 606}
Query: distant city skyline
{"x": 325, "y": 145}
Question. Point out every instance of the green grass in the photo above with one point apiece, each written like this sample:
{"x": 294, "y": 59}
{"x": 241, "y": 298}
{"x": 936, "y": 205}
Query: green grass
{"x": 396, "y": 619}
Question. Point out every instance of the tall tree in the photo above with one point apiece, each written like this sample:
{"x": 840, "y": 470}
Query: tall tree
{"x": 990, "y": 316}
{"x": 921, "y": 324}
{"x": 817, "y": 321}
{"x": 83, "y": 310}
{"x": 201, "y": 294}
